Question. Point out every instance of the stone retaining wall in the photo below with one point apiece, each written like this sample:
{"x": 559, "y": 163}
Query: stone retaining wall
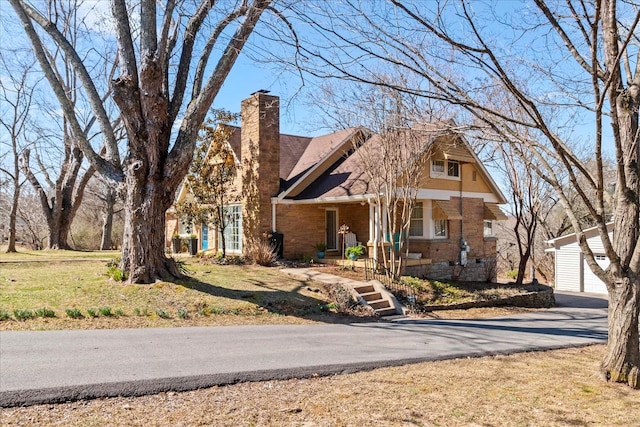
{"x": 540, "y": 296}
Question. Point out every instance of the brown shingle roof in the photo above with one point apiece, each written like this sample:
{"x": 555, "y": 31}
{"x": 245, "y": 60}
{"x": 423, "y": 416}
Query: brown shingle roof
{"x": 318, "y": 147}
{"x": 348, "y": 176}
{"x": 291, "y": 149}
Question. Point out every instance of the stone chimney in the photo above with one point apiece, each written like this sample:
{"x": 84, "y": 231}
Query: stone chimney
{"x": 260, "y": 153}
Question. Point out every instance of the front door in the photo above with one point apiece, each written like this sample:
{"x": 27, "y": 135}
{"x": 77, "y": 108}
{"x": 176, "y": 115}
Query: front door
{"x": 331, "y": 227}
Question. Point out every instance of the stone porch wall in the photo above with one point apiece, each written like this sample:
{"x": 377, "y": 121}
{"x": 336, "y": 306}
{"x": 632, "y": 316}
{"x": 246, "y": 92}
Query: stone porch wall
{"x": 476, "y": 270}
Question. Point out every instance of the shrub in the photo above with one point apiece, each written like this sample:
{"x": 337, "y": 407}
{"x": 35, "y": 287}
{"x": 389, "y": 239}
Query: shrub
{"x": 4, "y": 315}
{"x": 414, "y": 283}
{"x": 489, "y": 269}
{"x": 74, "y": 313}
{"x": 355, "y": 251}
{"x": 105, "y": 311}
{"x": 341, "y": 298}
{"x": 92, "y": 313}
{"x": 119, "y": 313}
{"x": 163, "y": 314}
{"x": 114, "y": 271}
{"x": 183, "y": 314}
{"x": 183, "y": 268}
{"x": 23, "y": 314}
{"x": 262, "y": 253}
{"x": 320, "y": 246}
{"x": 218, "y": 310}
{"x": 143, "y": 312}
{"x": 45, "y": 312}
{"x": 512, "y": 274}
{"x": 305, "y": 259}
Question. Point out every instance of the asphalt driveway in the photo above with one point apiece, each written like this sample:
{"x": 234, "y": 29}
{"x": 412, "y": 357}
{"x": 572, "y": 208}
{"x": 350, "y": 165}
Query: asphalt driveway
{"x": 57, "y": 366}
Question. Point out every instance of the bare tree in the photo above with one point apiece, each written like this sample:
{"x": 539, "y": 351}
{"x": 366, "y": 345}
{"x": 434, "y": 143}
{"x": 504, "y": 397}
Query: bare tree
{"x": 530, "y": 201}
{"x": 16, "y": 97}
{"x": 105, "y": 200}
{"x": 31, "y": 222}
{"x": 393, "y": 160}
{"x": 151, "y": 93}
{"x": 560, "y": 65}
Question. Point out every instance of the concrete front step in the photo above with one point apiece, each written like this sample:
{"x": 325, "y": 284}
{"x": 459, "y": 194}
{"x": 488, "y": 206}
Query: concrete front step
{"x": 371, "y": 296}
{"x": 372, "y": 293}
{"x": 379, "y": 304}
{"x": 386, "y": 312}
{"x": 364, "y": 288}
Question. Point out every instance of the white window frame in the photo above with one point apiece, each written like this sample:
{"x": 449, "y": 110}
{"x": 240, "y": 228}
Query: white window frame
{"x": 438, "y": 167}
{"x": 446, "y": 228}
{"x": 450, "y": 163}
{"x": 443, "y": 172}
{"x": 487, "y": 231}
{"x": 182, "y": 229}
{"x": 236, "y": 248}
{"x": 421, "y": 204}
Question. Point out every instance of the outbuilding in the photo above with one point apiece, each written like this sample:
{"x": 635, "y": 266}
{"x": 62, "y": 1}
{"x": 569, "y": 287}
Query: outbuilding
{"x": 572, "y": 273}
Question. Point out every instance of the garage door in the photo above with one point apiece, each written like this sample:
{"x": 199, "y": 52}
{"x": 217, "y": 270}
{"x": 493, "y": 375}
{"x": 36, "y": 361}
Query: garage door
{"x": 591, "y": 282}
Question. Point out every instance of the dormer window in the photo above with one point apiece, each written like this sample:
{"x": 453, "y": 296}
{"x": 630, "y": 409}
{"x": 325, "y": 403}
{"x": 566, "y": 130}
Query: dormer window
{"x": 453, "y": 169}
{"x": 437, "y": 167}
{"x": 448, "y": 169}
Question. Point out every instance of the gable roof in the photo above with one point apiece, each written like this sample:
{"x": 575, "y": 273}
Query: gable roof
{"x": 322, "y": 156}
{"x": 344, "y": 176}
{"x": 327, "y": 167}
{"x": 571, "y": 237}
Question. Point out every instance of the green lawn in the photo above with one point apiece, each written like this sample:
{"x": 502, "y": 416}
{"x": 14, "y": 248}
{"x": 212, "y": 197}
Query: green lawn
{"x": 213, "y": 294}
{"x": 49, "y": 255}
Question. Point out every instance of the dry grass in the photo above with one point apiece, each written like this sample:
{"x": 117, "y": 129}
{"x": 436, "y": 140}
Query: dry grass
{"x": 554, "y": 388}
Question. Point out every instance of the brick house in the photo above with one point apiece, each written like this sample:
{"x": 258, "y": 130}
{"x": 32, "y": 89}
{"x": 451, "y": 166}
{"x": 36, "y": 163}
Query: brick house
{"x": 305, "y": 188}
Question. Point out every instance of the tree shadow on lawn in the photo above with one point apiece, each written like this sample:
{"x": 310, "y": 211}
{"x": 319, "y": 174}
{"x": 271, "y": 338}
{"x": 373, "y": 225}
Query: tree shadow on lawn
{"x": 277, "y": 301}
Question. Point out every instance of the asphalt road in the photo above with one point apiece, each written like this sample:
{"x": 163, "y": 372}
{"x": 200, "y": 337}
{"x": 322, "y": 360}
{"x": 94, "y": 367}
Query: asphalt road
{"x": 57, "y": 366}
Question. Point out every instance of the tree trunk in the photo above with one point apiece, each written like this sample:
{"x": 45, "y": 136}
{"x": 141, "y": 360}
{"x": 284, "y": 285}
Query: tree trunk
{"x": 12, "y": 218}
{"x": 143, "y": 258}
{"x": 522, "y": 268}
{"x": 107, "y": 223}
{"x": 622, "y": 359}
{"x": 223, "y": 224}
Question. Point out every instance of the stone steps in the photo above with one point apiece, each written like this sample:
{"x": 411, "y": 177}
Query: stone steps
{"x": 375, "y": 296}
{"x": 371, "y": 293}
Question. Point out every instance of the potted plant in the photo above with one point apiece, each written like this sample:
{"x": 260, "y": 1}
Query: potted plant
{"x": 176, "y": 243}
{"x": 353, "y": 252}
{"x": 193, "y": 244}
{"x": 320, "y": 249}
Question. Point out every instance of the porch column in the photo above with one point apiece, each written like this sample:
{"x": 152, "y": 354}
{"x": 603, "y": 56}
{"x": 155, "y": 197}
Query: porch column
{"x": 372, "y": 221}
{"x": 385, "y": 224}
{"x": 374, "y": 227}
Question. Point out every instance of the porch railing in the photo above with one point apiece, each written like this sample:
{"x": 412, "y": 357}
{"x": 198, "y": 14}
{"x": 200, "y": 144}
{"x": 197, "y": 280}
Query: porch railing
{"x": 374, "y": 270}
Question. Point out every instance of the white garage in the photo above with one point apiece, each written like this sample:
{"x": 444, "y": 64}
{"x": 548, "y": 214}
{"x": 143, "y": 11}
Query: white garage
{"x": 572, "y": 273}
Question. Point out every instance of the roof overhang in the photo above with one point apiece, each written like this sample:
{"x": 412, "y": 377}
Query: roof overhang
{"x": 445, "y": 209}
{"x": 493, "y": 212}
